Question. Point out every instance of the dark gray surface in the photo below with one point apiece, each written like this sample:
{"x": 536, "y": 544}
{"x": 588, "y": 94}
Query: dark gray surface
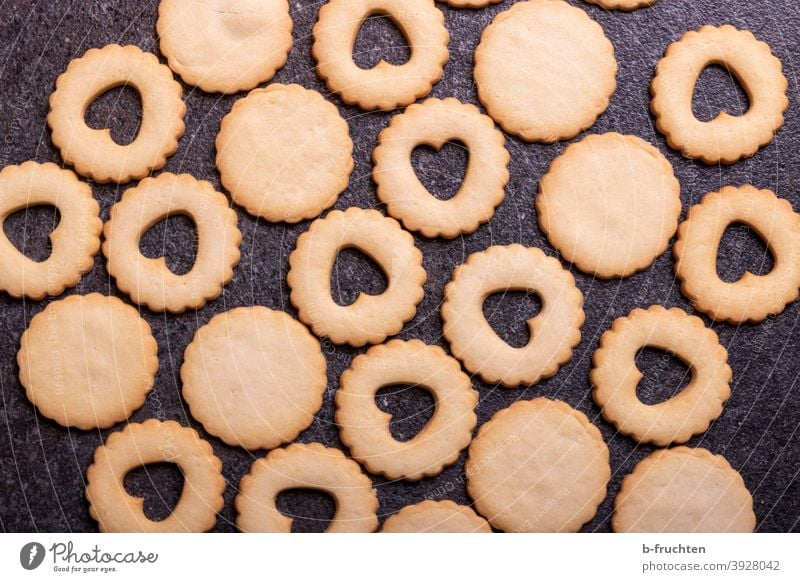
{"x": 42, "y": 465}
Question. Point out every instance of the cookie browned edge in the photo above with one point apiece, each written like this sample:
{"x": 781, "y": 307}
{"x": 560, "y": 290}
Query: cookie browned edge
{"x": 468, "y": 512}
{"x": 94, "y": 233}
{"x": 622, "y": 5}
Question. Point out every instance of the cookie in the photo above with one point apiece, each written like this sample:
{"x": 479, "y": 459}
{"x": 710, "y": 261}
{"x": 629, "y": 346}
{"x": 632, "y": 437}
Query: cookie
{"x": 384, "y": 86}
{"x": 284, "y": 153}
{"x": 225, "y": 46}
{"x": 545, "y": 71}
{"x": 87, "y": 361}
{"x": 74, "y": 241}
{"x": 138, "y": 445}
{"x": 370, "y": 318}
{"x": 364, "y": 428}
{"x": 555, "y": 331}
{"x": 254, "y": 377}
{"x": 149, "y": 281}
{"x": 311, "y": 466}
{"x": 726, "y": 138}
{"x": 93, "y": 152}
{"x": 615, "y": 377}
{"x": 434, "y": 123}
{"x": 436, "y": 517}
{"x": 752, "y": 298}
{"x": 683, "y": 490}
{"x": 624, "y": 5}
{"x": 470, "y": 3}
{"x": 538, "y": 466}
{"x": 610, "y": 204}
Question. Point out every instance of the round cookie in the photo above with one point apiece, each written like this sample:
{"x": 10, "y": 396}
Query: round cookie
{"x": 254, "y": 377}
{"x": 149, "y": 281}
{"x": 610, "y": 204}
{"x": 74, "y": 242}
{"x": 436, "y": 517}
{"x": 555, "y": 331}
{"x": 370, "y": 318}
{"x": 624, "y": 5}
{"x": 615, "y": 377}
{"x": 683, "y": 490}
{"x": 284, "y": 153}
{"x": 752, "y": 298}
{"x": 92, "y": 151}
{"x": 301, "y": 466}
{"x": 726, "y": 138}
{"x": 538, "y": 466}
{"x": 138, "y": 445}
{"x": 87, "y": 361}
{"x": 434, "y": 123}
{"x": 364, "y": 428}
{"x": 545, "y": 71}
{"x": 384, "y": 86}
{"x": 225, "y": 46}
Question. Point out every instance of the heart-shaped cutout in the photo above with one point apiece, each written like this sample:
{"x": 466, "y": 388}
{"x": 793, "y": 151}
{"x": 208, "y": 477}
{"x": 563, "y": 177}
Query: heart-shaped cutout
{"x": 411, "y": 408}
{"x": 717, "y": 89}
{"x": 380, "y": 39}
{"x": 664, "y": 375}
{"x": 175, "y": 239}
{"x": 29, "y": 230}
{"x": 441, "y": 171}
{"x": 160, "y": 485}
{"x": 742, "y": 250}
{"x": 508, "y": 314}
{"x": 310, "y": 510}
{"x": 119, "y": 110}
{"x": 354, "y": 273}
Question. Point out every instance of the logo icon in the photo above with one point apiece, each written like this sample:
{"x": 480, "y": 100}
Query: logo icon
{"x": 31, "y": 555}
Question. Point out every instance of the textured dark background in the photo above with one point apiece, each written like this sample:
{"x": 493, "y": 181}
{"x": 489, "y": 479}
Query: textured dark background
{"x": 42, "y": 465}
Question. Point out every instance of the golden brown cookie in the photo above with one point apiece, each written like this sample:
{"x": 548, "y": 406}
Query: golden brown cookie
{"x": 149, "y": 281}
{"x": 74, "y": 242}
{"x": 615, "y": 377}
{"x": 384, "y": 86}
{"x": 538, "y": 466}
{"x": 683, "y": 490}
{"x": 364, "y": 428}
{"x": 726, "y": 138}
{"x": 555, "y": 331}
{"x": 545, "y": 71}
{"x": 311, "y": 466}
{"x": 254, "y": 377}
{"x": 138, "y": 445}
{"x": 434, "y": 123}
{"x": 92, "y": 151}
{"x": 436, "y": 517}
{"x": 284, "y": 153}
{"x": 624, "y": 5}
{"x": 225, "y": 46}
{"x": 87, "y": 361}
{"x": 610, "y": 204}
{"x": 753, "y": 297}
{"x": 370, "y": 318}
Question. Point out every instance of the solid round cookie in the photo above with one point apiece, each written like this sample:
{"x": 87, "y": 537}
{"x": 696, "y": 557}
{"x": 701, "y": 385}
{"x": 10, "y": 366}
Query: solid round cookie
{"x": 87, "y": 361}
{"x": 254, "y": 377}
{"x": 301, "y": 466}
{"x": 436, "y": 517}
{"x": 726, "y": 138}
{"x": 610, "y": 204}
{"x": 284, "y": 153}
{"x": 149, "y": 281}
{"x": 434, "y": 123}
{"x": 624, "y": 5}
{"x": 138, "y": 445}
{"x": 615, "y": 377}
{"x": 545, "y": 71}
{"x": 93, "y": 152}
{"x": 364, "y": 428}
{"x": 554, "y": 332}
{"x": 752, "y": 298}
{"x": 74, "y": 241}
{"x": 225, "y": 46}
{"x": 370, "y": 318}
{"x": 684, "y": 490}
{"x": 538, "y": 466}
{"x": 384, "y": 86}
